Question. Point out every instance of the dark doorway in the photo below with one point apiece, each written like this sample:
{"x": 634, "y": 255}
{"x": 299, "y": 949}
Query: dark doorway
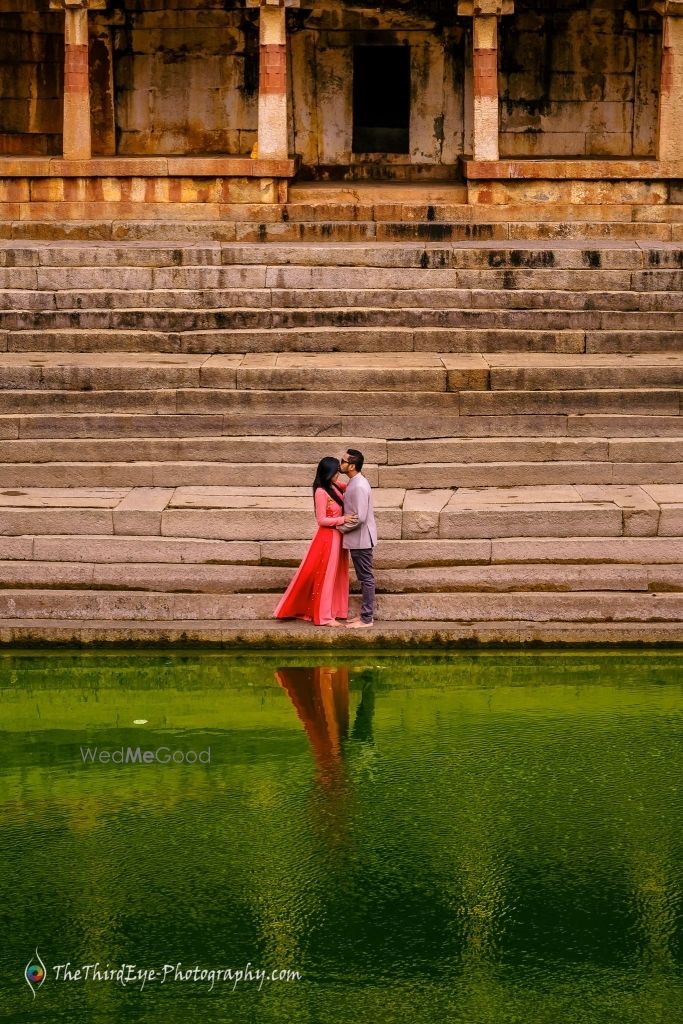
{"x": 381, "y": 99}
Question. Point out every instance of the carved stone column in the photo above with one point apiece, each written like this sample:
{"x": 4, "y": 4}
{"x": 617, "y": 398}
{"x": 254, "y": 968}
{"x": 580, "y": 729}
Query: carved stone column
{"x": 272, "y": 93}
{"x": 77, "y": 140}
{"x": 485, "y": 14}
{"x": 670, "y": 126}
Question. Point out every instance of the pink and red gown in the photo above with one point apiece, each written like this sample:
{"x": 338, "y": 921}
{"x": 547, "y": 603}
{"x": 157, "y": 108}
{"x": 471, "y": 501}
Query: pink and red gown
{"x": 319, "y": 591}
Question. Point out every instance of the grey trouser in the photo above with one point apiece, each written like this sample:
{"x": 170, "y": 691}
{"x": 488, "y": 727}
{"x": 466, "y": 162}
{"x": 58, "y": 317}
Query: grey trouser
{"x": 362, "y": 563}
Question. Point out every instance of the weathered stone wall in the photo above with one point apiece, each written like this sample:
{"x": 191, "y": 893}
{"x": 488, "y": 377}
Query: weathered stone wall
{"x": 31, "y": 75}
{"x": 579, "y": 77}
{"x": 322, "y": 75}
{"x": 186, "y": 76}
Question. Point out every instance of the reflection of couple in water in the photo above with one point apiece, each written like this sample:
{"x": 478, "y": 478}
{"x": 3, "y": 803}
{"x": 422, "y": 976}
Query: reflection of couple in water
{"x": 319, "y": 592}
{"x": 321, "y": 698}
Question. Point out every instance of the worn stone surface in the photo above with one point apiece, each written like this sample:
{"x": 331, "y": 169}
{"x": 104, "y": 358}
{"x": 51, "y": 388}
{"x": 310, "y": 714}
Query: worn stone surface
{"x": 139, "y": 513}
{"x": 393, "y": 554}
{"x": 192, "y": 78}
{"x": 121, "y": 550}
{"x": 174, "y": 486}
{"x": 550, "y": 519}
{"x": 265, "y": 634}
{"x": 421, "y": 511}
{"x": 141, "y": 606}
{"x": 644, "y": 550}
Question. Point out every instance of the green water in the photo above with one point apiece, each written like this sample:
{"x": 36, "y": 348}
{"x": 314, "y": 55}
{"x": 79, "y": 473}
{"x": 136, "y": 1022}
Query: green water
{"x": 474, "y": 838}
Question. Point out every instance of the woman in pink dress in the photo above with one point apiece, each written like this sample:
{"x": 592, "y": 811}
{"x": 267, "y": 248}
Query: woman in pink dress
{"x": 319, "y": 591}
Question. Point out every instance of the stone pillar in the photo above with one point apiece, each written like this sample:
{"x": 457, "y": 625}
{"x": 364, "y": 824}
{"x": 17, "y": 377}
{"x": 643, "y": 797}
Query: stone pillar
{"x": 670, "y": 124}
{"x": 76, "y": 144}
{"x": 272, "y": 92}
{"x": 485, "y": 14}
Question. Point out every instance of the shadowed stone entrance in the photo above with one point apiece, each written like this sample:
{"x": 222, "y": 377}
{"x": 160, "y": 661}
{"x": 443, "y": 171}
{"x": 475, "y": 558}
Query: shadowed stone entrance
{"x": 381, "y": 99}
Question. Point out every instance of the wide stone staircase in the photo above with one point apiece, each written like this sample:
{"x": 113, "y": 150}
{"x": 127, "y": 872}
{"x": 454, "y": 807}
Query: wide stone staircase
{"x": 163, "y": 405}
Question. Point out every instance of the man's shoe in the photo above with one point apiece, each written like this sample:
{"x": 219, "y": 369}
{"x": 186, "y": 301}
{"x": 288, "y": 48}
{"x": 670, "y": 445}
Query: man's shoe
{"x": 359, "y": 624}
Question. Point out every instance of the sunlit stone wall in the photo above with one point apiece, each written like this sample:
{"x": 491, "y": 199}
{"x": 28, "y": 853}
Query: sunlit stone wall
{"x": 31, "y": 78}
{"x": 579, "y": 77}
{"x": 186, "y": 78}
{"x": 576, "y": 78}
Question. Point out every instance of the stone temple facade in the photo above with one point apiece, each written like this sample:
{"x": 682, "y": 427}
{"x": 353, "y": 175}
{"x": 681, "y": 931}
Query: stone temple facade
{"x": 235, "y": 239}
{"x": 413, "y": 90}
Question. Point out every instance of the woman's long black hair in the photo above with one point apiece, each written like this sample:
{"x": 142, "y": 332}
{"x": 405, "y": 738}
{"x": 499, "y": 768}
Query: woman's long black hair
{"x": 327, "y": 468}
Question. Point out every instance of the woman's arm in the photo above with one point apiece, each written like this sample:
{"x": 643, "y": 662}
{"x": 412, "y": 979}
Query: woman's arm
{"x": 321, "y": 500}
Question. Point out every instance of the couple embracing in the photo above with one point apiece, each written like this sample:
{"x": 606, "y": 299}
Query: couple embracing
{"x": 319, "y": 592}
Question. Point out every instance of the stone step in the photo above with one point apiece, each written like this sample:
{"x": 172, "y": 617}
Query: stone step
{"x": 242, "y": 513}
{"x": 203, "y": 445}
{"x": 300, "y": 208}
{"x": 229, "y": 579}
{"x": 415, "y": 554}
{"x": 322, "y": 339}
{"x": 157, "y": 402}
{"x": 20, "y": 323}
{"x": 472, "y": 474}
{"x": 34, "y": 261}
{"x": 596, "y": 261}
{"x": 620, "y": 426}
{"x": 397, "y": 204}
{"x": 397, "y": 371}
{"x": 627, "y": 341}
{"x": 348, "y": 339}
{"x": 466, "y": 410}
{"x": 450, "y": 196}
{"x": 270, "y": 450}
{"x": 396, "y": 427}
{"x": 337, "y": 270}
{"x": 391, "y": 554}
{"x": 581, "y": 404}
{"x": 173, "y": 473}
{"x": 436, "y": 270}
{"x": 122, "y": 371}
{"x": 390, "y": 206}
{"x": 546, "y": 372}
{"x": 516, "y": 449}
{"x": 466, "y": 403}
{"x": 268, "y": 634}
{"x": 512, "y": 474}
{"x": 522, "y": 606}
{"x": 416, "y": 427}
{"x": 432, "y": 298}
{"x": 152, "y": 225}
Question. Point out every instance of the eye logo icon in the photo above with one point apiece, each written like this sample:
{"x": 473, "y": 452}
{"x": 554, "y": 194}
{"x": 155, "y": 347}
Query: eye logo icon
{"x": 35, "y": 973}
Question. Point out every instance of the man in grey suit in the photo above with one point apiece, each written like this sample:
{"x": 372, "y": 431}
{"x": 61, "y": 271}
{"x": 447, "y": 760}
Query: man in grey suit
{"x": 360, "y": 538}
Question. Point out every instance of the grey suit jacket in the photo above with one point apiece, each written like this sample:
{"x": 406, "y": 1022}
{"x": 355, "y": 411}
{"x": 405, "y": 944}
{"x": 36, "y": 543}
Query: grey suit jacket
{"x": 358, "y": 500}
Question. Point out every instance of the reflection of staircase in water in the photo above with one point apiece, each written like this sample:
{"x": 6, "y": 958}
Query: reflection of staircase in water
{"x": 517, "y": 394}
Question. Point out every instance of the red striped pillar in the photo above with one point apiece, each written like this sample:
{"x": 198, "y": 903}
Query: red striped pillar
{"x": 77, "y": 138}
{"x": 272, "y": 95}
{"x": 485, "y": 14}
